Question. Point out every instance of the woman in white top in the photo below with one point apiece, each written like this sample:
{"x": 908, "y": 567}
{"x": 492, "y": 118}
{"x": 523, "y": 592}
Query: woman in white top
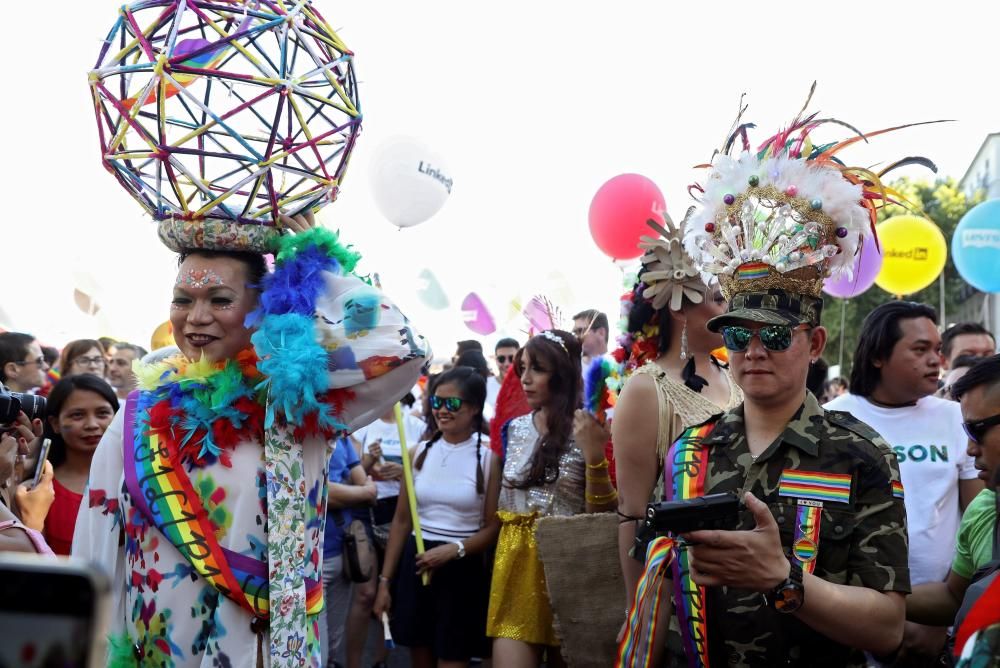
{"x": 456, "y": 480}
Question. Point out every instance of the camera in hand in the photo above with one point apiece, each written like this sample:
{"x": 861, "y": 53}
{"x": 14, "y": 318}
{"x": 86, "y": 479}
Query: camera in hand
{"x": 715, "y": 511}
{"x": 12, "y": 403}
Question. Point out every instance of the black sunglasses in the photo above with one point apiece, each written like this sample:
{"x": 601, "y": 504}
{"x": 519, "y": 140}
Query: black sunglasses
{"x": 775, "y": 338}
{"x": 977, "y": 429}
{"x": 453, "y": 404}
{"x": 503, "y": 359}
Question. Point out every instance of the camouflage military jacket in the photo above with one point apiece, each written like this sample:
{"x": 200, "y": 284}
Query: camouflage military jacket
{"x": 862, "y": 537}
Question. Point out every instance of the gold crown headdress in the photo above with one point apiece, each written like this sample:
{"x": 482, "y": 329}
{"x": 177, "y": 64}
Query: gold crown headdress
{"x": 789, "y": 214}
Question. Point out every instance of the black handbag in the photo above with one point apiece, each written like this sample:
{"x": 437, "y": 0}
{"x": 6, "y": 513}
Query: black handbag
{"x": 358, "y": 557}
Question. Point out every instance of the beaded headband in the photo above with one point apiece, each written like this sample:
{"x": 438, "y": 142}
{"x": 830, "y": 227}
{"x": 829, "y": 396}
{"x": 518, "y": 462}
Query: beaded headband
{"x": 555, "y": 338}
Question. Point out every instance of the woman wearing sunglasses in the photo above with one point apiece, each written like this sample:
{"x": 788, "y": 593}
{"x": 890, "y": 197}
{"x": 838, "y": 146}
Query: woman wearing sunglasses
{"x": 548, "y": 470}
{"x": 456, "y": 480}
{"x": 677, "y": 383}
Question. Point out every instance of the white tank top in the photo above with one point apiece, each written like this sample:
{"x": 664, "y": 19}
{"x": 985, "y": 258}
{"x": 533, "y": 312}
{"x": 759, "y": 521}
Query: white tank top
{"x": 449, "y": 507}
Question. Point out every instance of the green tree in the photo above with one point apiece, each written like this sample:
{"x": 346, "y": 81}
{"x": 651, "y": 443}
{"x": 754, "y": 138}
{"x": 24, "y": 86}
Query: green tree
{"x": 945, "y": 204}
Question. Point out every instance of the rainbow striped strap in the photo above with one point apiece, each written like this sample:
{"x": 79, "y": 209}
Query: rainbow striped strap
{"x": 636, "y": 647}
{"x": 163, "y": 493}
{"x": 805, "y": 543}
{"x": 687, "y": 472}
{"x": 149, "y": 477}
{"x": 815, "y": 485}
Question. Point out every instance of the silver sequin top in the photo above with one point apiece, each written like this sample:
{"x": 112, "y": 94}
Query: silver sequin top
{"x": 565, "y": 496}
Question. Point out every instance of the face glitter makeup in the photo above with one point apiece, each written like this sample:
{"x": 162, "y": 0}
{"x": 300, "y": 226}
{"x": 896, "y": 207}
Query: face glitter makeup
{"x": 198, "y": 278}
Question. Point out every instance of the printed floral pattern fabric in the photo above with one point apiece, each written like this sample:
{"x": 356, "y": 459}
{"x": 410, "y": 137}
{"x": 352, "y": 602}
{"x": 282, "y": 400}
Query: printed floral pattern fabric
{"x": 170, "y": 614}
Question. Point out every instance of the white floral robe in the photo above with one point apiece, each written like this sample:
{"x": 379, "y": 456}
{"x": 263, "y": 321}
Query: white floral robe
{"x": 175, "y": 617}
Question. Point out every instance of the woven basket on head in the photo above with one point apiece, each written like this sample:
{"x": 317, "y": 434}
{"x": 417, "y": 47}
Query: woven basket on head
{"x": 584, "y": 578}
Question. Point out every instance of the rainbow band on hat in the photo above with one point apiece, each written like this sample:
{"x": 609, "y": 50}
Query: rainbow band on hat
{"x": 750, "y": 270}
{"x": 815, "y": 485}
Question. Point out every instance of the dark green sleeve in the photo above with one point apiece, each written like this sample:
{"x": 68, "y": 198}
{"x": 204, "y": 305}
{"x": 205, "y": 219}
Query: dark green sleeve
{"x": 879, "y": 551}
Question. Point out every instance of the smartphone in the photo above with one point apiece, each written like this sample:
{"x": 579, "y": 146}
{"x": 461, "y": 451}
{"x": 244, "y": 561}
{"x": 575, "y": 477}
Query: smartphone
{"x": 43, "y": 455}
{"x": 53, "y": 612}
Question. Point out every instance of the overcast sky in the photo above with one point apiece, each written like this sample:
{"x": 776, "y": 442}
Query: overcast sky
{"x": 532, "y": 104}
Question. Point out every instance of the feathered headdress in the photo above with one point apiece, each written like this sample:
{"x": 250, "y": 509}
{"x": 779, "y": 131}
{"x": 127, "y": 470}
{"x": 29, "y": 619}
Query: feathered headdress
{"x": 789, "y": 214}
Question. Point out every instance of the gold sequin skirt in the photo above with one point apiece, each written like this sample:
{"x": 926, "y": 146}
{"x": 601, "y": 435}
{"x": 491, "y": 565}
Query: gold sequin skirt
{"x": 519, "y": 599}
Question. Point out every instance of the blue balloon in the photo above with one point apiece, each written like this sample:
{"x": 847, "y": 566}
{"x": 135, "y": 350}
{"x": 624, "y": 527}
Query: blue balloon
{"x": 975, "y": 247}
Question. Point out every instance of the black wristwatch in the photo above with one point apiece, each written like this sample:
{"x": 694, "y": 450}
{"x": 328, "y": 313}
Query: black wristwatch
{"x": 790, "y": 594}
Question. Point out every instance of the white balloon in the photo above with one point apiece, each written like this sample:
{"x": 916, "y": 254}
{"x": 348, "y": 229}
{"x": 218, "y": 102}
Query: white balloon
{"x": 409, "y": 181}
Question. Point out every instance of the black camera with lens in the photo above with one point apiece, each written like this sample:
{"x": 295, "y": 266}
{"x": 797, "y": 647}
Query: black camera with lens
{"x": 12, "y": 403}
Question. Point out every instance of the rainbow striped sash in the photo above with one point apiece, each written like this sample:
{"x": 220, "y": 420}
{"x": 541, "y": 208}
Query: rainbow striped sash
{"x": 635, "y": 649}
{"x": 684, "y": 471}
{"x": 689, "y": 468}
{"x": 162, "y": 491}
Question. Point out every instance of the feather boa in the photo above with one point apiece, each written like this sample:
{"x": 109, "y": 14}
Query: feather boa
{"x": 601, "y": 383}
{"x": 207, "y": 409}
{"x": 292, "y": 360}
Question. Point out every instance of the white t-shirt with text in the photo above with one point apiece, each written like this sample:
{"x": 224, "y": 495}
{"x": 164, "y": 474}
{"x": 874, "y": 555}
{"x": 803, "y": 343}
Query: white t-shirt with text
{"x": 930, "y": 446}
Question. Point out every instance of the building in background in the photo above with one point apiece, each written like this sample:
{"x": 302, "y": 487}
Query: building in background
{"x": 982, "y": 174}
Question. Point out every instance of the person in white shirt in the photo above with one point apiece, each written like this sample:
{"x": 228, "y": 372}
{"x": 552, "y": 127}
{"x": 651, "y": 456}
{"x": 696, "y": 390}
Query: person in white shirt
{"x": 456, "y": 484}
{"x": 893, "y": 379}
{"x": 381, "y": 455}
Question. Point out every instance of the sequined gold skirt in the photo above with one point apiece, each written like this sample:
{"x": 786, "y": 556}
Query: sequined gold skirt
{"x": 519, "y": 600}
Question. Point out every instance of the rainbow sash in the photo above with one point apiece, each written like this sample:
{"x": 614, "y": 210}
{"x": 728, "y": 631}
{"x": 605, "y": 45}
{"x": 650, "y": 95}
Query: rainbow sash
{"x": 162, "y": 491}
{"x": 689, "y": 468}
{"x": 635, "y": 650}
{"x": 684, "y": 471}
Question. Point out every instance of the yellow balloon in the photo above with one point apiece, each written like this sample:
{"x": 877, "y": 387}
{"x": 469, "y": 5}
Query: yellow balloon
{"x": 914, "y": 253}
{"x": 162, "y": 337}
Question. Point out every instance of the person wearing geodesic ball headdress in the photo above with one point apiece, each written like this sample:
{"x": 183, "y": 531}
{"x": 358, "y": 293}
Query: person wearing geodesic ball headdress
{"x": 207, "y": 495}
{"x": 813, "y": 567}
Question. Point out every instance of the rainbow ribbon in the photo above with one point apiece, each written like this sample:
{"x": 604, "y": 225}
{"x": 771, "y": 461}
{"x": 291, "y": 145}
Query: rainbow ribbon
{"x": 805, "y": 544}
{"x": 636, "y": 647}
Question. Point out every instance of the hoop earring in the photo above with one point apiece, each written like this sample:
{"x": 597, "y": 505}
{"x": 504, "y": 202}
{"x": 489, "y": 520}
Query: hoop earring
{"x": 684, "y": 341}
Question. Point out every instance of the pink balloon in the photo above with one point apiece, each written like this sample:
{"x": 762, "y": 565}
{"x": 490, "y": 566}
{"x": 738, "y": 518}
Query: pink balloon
{"x": 476, "y": 316}
{"x": 618, "y": 214}
{"x": 538, "y": 315}
{"x": 867, "y": 264}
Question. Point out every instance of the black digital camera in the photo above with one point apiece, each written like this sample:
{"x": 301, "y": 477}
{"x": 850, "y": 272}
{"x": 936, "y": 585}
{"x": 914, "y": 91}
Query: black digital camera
{"x": 715, "y": 511}
{"x": 12, "y": 403}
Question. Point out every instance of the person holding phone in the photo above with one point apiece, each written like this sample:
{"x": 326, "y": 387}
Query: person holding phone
{"x": 456, "y": 480}
{"x": 21, "y": 524}
{"x": 80, "y": 409}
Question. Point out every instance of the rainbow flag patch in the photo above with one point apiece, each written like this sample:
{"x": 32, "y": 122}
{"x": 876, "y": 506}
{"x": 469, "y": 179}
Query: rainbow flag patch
{"x": 815, "y": 485}
{"x": 897, "y": 489}
{"x": 749, "y": 270}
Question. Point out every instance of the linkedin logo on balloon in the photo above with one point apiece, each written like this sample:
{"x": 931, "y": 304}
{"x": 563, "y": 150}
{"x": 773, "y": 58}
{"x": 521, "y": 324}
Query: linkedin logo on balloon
{"x": 435, "y": 174}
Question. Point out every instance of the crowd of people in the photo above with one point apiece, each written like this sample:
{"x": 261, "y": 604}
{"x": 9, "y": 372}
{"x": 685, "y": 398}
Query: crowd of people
{"x": 253, "y": 506}
{"x": 932, "y": 396}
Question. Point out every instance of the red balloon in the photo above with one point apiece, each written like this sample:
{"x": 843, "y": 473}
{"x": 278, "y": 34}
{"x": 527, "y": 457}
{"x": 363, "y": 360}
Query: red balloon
{"x": 618, "y": 214}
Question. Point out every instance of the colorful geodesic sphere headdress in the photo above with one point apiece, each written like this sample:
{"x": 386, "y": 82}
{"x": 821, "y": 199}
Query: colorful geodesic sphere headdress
{"x": 216, "y": 115}
{"x": 774, "y": 223}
